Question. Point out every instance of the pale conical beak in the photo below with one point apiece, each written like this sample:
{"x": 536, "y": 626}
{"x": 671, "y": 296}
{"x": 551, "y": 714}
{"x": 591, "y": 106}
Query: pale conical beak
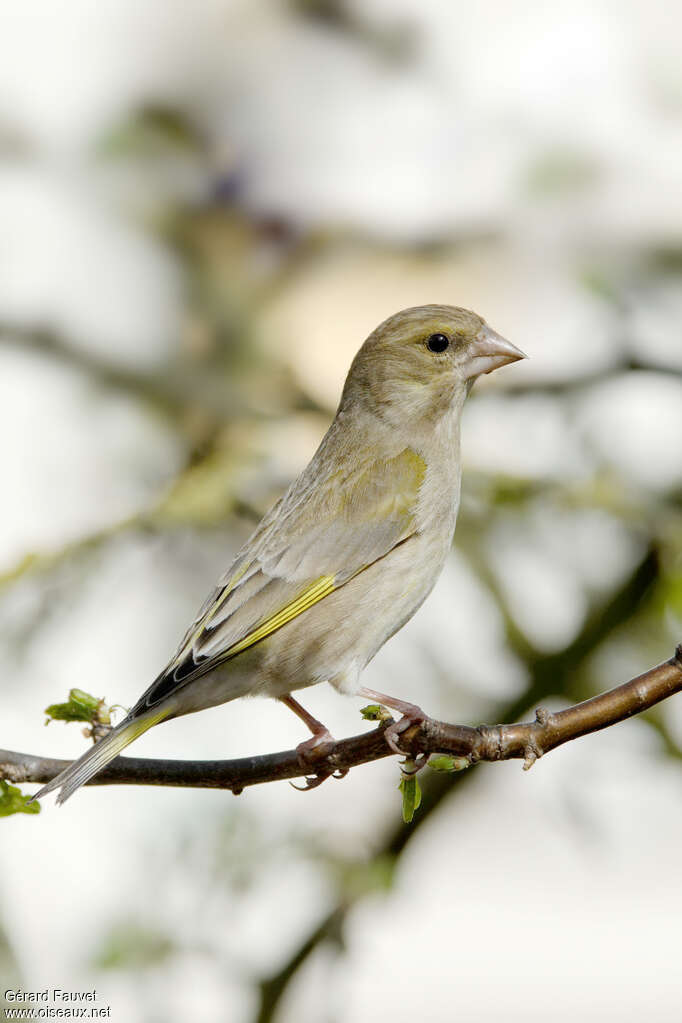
{"x": 488, "y": 352}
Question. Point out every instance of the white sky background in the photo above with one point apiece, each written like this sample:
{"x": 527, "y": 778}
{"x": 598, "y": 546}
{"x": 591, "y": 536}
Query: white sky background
{"x": 556, "y": 884}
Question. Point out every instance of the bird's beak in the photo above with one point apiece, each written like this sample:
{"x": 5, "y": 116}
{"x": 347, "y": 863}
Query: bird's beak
{"x": 489, "y": 351}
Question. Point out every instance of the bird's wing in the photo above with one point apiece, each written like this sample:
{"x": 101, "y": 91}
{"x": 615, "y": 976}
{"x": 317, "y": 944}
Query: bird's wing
{"x": 313, "y": 541}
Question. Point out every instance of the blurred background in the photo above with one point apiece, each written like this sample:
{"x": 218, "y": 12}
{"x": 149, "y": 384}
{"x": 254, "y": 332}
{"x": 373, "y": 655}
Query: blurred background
{"x": 204, "y": 209}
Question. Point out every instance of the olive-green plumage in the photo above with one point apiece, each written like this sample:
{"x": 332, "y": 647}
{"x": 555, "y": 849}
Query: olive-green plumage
{"x": 351, "y": 550}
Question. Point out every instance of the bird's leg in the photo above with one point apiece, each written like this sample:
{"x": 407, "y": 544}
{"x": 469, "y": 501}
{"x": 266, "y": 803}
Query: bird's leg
{"x": 411, "y": 715}
{"x": 307, "y": 750}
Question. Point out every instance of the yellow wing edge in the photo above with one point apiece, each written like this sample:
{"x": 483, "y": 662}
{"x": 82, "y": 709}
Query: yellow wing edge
{"x": 316, "y": 591}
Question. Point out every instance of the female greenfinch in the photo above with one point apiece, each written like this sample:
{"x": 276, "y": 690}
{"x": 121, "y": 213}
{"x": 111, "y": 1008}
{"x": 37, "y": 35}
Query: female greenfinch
{"x": 350, "y": 551}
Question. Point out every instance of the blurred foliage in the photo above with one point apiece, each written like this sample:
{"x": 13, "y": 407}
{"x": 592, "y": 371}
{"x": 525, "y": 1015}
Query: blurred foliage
{"x": 153, "y": 131}
{"x": 559, "y": 172}
{"x": 393, "y": 41}
{"x": 131, "y": 945}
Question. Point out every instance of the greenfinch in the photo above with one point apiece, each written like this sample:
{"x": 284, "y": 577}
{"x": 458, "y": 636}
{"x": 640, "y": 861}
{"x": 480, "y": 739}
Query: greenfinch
{"x": 348, "y": 554}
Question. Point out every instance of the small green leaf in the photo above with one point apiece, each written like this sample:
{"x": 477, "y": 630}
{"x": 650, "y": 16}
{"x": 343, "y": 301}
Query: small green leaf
{"x": 375, "y": 712}
{"x": 445, "y": 763}
{"x": 12, "y": 800}
{"x": 412, "y": 796}
{"x": 81, "y": 706}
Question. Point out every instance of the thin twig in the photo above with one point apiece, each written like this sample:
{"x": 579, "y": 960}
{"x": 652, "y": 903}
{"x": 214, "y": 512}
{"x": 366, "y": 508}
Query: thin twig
{"x": 527, "y": 741}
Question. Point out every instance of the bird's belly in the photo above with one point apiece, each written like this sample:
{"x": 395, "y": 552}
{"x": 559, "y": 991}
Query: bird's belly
{"x": 337, "y": 637}
{"x": 334, "y": 639}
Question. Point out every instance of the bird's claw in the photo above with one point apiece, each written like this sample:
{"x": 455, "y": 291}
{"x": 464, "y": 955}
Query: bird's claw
{"x": 315, "y": 749}
{"x": 311, "y": 782}
{"x": 413, "y": 716}
{"x": 311, "y": 756}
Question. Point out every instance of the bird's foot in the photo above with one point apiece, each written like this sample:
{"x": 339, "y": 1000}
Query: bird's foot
{"x": 320, "y": 743}
{"x": 414, "y": 716}
{"x": 311, "y": 755}
{"x": 411, "y": 715}
{"x": 315, "y": 748}
{"x": 313, "y": 751}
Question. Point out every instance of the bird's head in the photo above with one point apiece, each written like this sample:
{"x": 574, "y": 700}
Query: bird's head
{"x": 420, "y": 363}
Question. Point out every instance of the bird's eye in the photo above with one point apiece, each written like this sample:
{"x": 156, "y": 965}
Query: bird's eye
{"x": 438, "y": 342}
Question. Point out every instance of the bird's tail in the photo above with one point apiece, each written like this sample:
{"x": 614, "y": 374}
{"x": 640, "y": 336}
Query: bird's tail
{"x": 94, "y": 759}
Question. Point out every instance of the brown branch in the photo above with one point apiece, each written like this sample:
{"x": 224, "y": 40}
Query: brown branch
{"x": 527, "y": 741}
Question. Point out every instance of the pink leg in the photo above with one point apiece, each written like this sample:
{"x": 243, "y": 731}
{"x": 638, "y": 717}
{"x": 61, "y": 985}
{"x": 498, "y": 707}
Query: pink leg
{"x": 321, "y": 735}
{"x": 411, "y": 715}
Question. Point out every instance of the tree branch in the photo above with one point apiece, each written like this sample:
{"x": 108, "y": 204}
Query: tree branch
{"x": 527, "y": 741}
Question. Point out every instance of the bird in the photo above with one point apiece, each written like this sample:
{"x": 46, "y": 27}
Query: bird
{"x": 348, "y": 554}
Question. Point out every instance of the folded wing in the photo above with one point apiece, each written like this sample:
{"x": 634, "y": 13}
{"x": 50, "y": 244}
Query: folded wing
{"x": 314, "y": 540}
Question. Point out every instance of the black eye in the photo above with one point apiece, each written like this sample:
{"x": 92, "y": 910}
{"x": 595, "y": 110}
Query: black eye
{"x": 438, "y": 343}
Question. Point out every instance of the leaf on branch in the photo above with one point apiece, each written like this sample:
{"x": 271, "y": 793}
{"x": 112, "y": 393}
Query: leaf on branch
{"x": 412, "y": 796}
{"x": 449, "y": 764}
{"x": 375, "y": 712}
{"x": 12, "y": 800}
{"x": 82, "y": 706}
